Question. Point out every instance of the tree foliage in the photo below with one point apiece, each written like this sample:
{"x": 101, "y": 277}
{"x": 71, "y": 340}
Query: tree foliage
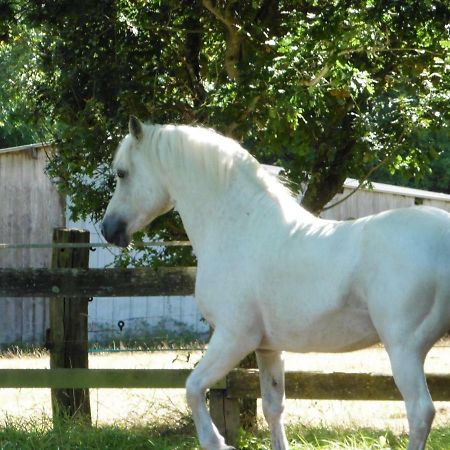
{"x": 327, "y": 89}
{"x": 19, "y": 68}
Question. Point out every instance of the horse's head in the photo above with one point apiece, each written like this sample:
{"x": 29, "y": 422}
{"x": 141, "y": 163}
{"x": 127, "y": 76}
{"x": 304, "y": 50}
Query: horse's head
{"x": 141, "y": 194}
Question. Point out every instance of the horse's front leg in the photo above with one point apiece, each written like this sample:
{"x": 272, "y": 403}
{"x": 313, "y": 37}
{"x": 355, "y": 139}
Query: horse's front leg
{"x": 271, "y": 374}
{"x": 225, "y": 351}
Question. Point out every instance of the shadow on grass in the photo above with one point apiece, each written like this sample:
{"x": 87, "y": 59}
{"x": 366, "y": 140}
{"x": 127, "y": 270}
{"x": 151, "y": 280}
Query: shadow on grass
{"x": 40, "y": 435}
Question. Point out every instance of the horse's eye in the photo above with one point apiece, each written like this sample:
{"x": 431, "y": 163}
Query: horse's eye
{"x": 121, "y": 173}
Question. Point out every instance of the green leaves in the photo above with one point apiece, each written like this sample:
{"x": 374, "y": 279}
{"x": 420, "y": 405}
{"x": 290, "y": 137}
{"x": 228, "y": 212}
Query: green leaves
{"x": 325, "y": 89}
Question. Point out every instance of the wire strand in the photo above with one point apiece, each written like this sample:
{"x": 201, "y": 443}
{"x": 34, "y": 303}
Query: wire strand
{"x": 136, "y": 246}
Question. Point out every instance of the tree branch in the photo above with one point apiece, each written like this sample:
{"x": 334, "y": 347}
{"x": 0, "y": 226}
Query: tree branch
{"x": 323, "y": 72}
{"x": 249, "y": 110}
{"x": 233, "y": 37}
{"x": 221, "y": 16}
{"x": 360, "y": 185}
{"x": 366, "y": 177}
{"x": 192, "y": 49}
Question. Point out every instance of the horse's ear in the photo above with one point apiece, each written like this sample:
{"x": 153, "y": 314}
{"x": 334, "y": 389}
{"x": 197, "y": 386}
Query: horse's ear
{"x": 135, "y": 127}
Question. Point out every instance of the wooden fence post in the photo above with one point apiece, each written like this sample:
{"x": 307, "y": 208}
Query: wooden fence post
{"x": 67, "y": 337}
{"x": 225, "y": 413}
{"x": 248, "y": 406}
{"x": 229, "y": 414}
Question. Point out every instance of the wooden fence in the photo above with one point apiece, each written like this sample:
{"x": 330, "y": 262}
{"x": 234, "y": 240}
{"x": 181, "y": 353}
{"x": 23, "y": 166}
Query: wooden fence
{"x": 69, "y": 378}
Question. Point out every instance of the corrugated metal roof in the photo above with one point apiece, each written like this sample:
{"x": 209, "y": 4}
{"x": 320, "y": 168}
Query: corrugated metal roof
{"x": 274, "y": 170}
{"x": 351, "y": 183}
{"x": 22, "y": 148}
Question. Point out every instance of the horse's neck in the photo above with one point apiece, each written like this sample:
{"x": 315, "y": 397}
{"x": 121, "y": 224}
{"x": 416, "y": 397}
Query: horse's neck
{"x": 206, "y": 213}
{"x": 212, "y": 213}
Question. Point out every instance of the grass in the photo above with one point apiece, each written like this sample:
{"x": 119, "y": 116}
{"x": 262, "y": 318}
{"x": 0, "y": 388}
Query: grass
{"x": 301, "y": 438}
{"x": 40, "y": 435}
{"x": 34, "y": 435}
{"x": 21, "y": 350}
{"x": 150, "y": 342}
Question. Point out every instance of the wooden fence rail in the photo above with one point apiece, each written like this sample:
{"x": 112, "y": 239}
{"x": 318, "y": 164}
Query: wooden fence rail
{"x": 97, "y": 282}
{"x": 239, "y": 383}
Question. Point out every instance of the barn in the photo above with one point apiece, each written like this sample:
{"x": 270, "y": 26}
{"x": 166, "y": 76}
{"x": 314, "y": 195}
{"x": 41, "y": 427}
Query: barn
{"x": 379, "y": 197}
{"x": 31, "y": 207}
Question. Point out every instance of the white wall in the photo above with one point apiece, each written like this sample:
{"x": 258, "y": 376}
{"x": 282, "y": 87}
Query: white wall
{"x": 30, "y": 207}
{"x": 380, "y": 198}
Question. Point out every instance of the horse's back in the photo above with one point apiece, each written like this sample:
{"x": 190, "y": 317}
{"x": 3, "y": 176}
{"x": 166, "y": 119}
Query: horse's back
{"x": 415, "y": 237}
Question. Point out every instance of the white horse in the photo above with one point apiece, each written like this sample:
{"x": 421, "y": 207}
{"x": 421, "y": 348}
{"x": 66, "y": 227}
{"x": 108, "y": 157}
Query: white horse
{"x": 272, "y": 277}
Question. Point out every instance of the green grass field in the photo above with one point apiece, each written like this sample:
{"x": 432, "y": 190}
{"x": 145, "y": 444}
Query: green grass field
{"x": 40, "y": 435}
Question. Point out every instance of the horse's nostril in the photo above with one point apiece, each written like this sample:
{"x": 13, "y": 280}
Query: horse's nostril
{"x": 114, "y": 230}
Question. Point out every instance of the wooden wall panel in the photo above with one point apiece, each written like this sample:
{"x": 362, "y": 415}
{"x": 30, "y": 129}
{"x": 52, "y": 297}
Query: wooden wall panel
{"x": 30, "y": 207}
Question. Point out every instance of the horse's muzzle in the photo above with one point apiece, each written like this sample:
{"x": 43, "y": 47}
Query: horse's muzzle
{"x": 114, "y": 230}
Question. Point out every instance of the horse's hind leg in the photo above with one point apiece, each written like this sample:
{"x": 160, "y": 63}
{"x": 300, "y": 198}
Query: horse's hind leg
{"x": 271, "y": 373}
{"x": 409, "y": 376}
{"x": 225, "y": 351}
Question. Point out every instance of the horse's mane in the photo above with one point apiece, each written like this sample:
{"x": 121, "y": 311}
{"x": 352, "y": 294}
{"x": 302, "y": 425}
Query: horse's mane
{"x": 218, "y": 157}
